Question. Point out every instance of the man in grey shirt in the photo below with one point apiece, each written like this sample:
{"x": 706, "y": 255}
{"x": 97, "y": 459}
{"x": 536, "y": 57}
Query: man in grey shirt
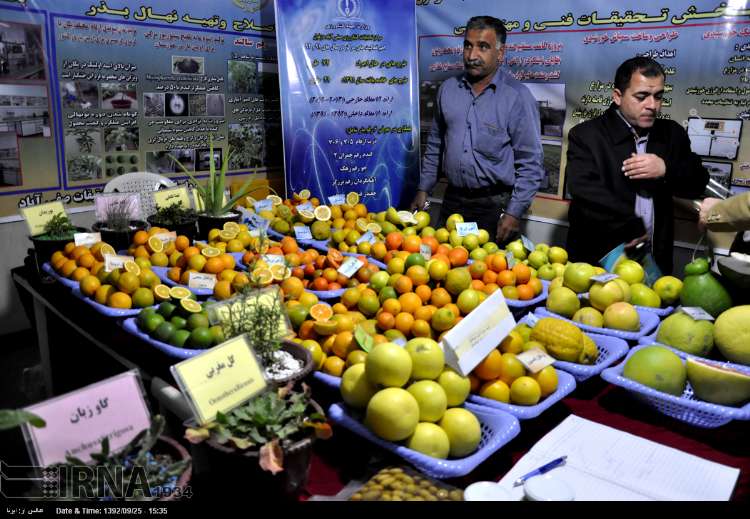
{"x": 485, "y": 138}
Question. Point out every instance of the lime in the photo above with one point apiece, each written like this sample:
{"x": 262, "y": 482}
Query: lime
{"x": 179, "y": 338}
{"x": 166, "y": 309}
{"x": 164, "y": 331}
{"x": 143, "y": 297}
{"x": 161, "y": 292}
{"x": 414, "y": 258}
{"x": 178, "y": 322}
{"x": 217, "y": 334}
{"x": 151, "y": 322}
{"x": 297, "y": 315}
{"x": 197, "y": 321}
{"x": 201, "y": 338}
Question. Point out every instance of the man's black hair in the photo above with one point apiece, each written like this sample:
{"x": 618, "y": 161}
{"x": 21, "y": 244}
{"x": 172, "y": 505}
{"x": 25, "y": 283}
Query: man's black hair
{"x": 488, "y": 22}
{"x": 646, "y": 66}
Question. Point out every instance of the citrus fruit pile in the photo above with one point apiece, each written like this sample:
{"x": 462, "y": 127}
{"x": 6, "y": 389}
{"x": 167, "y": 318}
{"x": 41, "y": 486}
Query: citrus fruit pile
{"x": 180, "y": 321}
{"x": 234, "y": 237}
{"x": 321, "y": 274}
{"x": 155, "y": 252}
{"x": 517, "y": 283}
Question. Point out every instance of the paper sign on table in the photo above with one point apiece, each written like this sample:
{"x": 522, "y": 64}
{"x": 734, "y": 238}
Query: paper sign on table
{"x": 367, "y": 237}
{"x": 37, "y": 216}
{"x": 510, "y": 259}
{"x": 78, "y": 421}
{"x": 466, "y": 228}
{"x": 535, "y": 360}
{"x": 166, "y": 237}
{"x": 696, "y": 312}
{"x": 220, "y": 379}
{"x": 472, "y": 339}
{"x": 87, "y": 239}
{"x": 263, "y": 205}
{"x": 273, "y": 259}
{"x": 302, "y": 232}
{"x": 168, "y": 197}
{"x": 307, "y": 206}
{"x": 426, "y": 251}
{"x": 337, "y": 200}
{"x": 256, "y": 221}
{"x": 112, "y": 262}
{"x": 201, "y": 280}
{"x": 130, "y": 202}
{"x": 604, "y": 278}
{"x": 350, "y": 266}
{"x": 527, "y": 243}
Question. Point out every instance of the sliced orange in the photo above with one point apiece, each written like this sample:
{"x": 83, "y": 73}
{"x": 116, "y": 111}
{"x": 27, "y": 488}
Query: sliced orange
{"x": 231, "y": 227}
{"x": 263, "y": 276}
{"x": 227, "y": 235}
{"x": 210, "y": 252}
{"x": 321, "y": 312}
{"x": 374, "y": 228}
{"x": 322, "y": 213}
{"x": 352, "y": 198}
{"x": 132, "y": 266}
{"x": 162, "y": 292}
{"x": 191, "y": 305}
{"x": 155, "y": 244}
{"x": 180, "y": 292}
{"x": 275, "y": 199}
{"x": 107, "y": 250}
{"x": 280, "y": 271}
{"x": 361, "y": 224}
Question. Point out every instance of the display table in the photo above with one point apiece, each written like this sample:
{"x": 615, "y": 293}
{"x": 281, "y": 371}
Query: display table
{"x": 103, "y": 349}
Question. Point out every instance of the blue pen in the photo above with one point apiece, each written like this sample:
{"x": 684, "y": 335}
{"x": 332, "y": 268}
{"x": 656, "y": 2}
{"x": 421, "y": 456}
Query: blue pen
{"x": 541, "y": 470}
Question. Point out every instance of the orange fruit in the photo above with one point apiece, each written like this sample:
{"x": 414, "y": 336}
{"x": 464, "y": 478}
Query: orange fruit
{"x": 86, "y": 260}
{"x": 440, "y": 297}
{"x": 213, "y": 265}
{"x": 499, "y": 263}
{"x": 418, "y": 274}
{"x": 69, "y": 248}
{"x": 344, "y": 344}
{"x": 458, "y": 256}
{"x": 496, "y": 390}
{"x": 392, "y": 306}
{"x": 190, "y": 252}
{"x": 536, "y": 285}
{"x": 393, "y": 240}
{"x": 140, "y": 238}
{"x": 432, "y": 242}
{"x": 511, "y": 368}
{"x": 103, "y": 294}
{"x": 292, "y": 287}
{"x": 128, "y": 282}
{"x": 425, "y": 313}
{"x": 522, "y": 272}
{"x": 490, "y": 367}
{"x": 174, "y": 274}
{"x": 307, "y": 331}
{"x": 453, "y": 308}
{"x": 59, "y": 262}
{"x": 142, "y": 252}
{"x": 89, "y": 285}
{"x": 410, "y": 302}
{"x": 404, "y": 285}
{"x": 182, "y": 243}
{"x": 228, "y": 261}
{"x": 438, "y": 269}
{"x": 119, "y": 300}
{"x": 79, "y": 273}
{"x": 475, "y": 383}
{"x": 334, "y": 366}
{"x": 421, "y": 328}
{"x": 222, "y": 290}
{"x": 477, "y": 284}
{"x": 67, "y": 268}
{"x": 489, "y": 277}
{"x": 320, "y": 284}
{"x": 411, "y": 243}
{"x": 490, "y": 288}
{"x": 78, "y": 251}
{"x": 321, "y": 312}
{"x": 404, "y": 322}
{"x": 525, "y": 292}
{"x": 424, "y": 292}
{"x": 478, "y": 269}
{"x": 378, "y": 250}
{"x": 506, "y": 278}
{"x": 289, "y": 245}
{"x": 338, "y": 308}
{"x": 547, "y": 380}
{"x": 386, "y": 320}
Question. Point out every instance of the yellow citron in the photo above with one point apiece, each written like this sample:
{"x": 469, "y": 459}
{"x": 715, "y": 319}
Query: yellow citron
{"x": 231, "y": 227}
{"x": 352, "y": 198}
{"x": 323, "y": 213}
{"x": 132, "y": 266}
{"x": 179, "y": 292}
{"x": 210, "y": 252}
{"x": 191, "y": 305}
{"x": 162, "y": 292}
{"x": 155, "y": 244}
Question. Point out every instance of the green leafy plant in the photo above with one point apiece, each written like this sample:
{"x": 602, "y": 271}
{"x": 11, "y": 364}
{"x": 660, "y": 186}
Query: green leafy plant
{"x": 59, "y": 227}
{"x": 12, "y": 418}
{"x": 212, "y": 194}
{"x": 135, "y": 458}
{"x": 271, "y": 422}
{"x": 174, "y": 214}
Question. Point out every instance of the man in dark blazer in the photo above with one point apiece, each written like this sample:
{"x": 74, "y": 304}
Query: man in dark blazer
{"x": 624, "y": 167}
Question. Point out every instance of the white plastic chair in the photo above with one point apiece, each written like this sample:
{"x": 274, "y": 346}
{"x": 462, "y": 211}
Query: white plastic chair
{"x": 144, "y": 184}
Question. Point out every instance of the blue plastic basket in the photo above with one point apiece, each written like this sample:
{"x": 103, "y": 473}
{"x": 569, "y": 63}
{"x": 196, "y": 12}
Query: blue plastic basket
{"x": 161, "y": 272}
{"x": 498, "y": 428}
{"x": 327, "y": 380}
{"x": 649, "y": 321}
{"x": 611, "y": 349}
{"x": 686, "y": 408}
{"x": 104, "y": 309}
{"x": 238, "y": 265}
{"x": 130, "y": 326}
{"x": 566, "y": 384}
{"x": 328, "y": 295}
{"x": 515, "y": 304}
{"x": 64, "y": 281}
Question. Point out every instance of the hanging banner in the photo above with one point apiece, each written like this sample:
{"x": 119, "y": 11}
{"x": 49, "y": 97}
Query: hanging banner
{"x": 348, "y": 81}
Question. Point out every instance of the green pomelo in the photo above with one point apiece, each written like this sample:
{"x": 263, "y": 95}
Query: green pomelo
{"x": 685, "y": 333}
{"x": 732, "y": 334}
{"x": 657, "y": 368}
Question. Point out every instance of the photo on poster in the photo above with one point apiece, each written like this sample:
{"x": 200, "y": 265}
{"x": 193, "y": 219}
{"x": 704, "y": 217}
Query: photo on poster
{"x": 153, "y": 104}
{"x": 550, "y": 98}
{"x": 242, "y": 76}
{"x": 83, "y": 142}
{"x": 176, "y": 105}
{"x": 247, "y": 142}
{"x": 215, "y": 105}
{"x": 84, "y": 167}
{"x": 197, "y": 104}
{"x": 79, "y": 95}
{"x": 21, "y": 52}
{"x": 24, "y": 108}
{"x": 721, "y": 172}
{"x": 121, "y": 139}
{"x": 161, "y": 162}
{"x": 10, "y": 164}
{"x": 551, "y": 162}
{"x": 203, "y": 159}
{"x": 119, "y": 96}
{"x": 120, "y": 164}
{"x": 188, "y": 65}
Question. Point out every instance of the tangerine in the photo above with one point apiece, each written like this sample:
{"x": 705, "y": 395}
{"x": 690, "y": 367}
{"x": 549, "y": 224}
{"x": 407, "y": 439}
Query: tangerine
{"x": 490, "y": 367}
{"x": 525, "y": 292}
{"x": 522, "y": 272}
{"x": 421, "y": 328}
{"x": 440, "y": 297}
{"x": 410, "y": 302}
{"x": 424, "y": 292}
{"x": 458, "y": 256}
{"x": 506, "y": 278}
{"x": 411, "y": 243}
{"x": 404, "y": 322}
{"x": 393, "y": 240}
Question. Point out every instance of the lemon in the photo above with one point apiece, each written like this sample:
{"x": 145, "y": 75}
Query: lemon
{"x": 352, "y": 198}
{"x": 155, "y": 244}
{"x": 306, "y": 216}
{"x": 191, "y": 305}
{"x": 227, "y": 235}
{"x": 132, "y": 266}
{"x": 210, "y": 252}
{"x": 107, "y": 250}
{"x": 162, "y": 292}
{"x": 406, "y": 217}
{"x": 374, "y": 228}
{"x": 361, "y": 224}
{"x": 275, "y": 199}
{"x": 179, "y": 292}
{"x": 304, "y": 194}
{"x": 232, "y": 227}
{"x": 280, "y": 271}
{"x": 322, "y": 213}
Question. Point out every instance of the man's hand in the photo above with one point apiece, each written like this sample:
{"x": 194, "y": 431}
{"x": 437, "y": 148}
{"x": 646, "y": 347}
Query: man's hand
{"x": 419, "y": 201}
{"x": 706, "y": 207}
{"x": 644, "y": 166}
{"x": 635, "y": 242}
{"x": 506, "y": 227}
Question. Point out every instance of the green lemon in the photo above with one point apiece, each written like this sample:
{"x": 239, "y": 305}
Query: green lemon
{"x": 201, "y": 338}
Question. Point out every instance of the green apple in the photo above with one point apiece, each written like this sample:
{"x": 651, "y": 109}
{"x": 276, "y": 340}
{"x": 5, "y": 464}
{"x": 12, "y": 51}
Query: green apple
{"x": 642, "y": 295}
{"x": 537, "y": 258}
{"x": 547, "y": 272}
{"x": 517, "y": 248}
{"x": 557, "y": 255}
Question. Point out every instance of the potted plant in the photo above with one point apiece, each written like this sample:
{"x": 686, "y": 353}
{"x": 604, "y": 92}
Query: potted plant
{"x": 152, "y": 466}
{"x": 215, "y": 212}
{"x": 175, "y": 218}
{"x": 118, "y": 229}
{"x": 57, "y": 232}
{"x": 264, "y": 445}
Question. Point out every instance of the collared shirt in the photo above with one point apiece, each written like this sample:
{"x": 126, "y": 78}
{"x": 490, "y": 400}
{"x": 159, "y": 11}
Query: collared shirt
{"x": 486, "y": 139}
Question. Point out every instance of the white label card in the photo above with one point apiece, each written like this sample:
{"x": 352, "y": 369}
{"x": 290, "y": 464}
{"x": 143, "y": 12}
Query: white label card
{"x": 425, "y": 251}
{"x": 272, "y": 259}
{"x": 258, "y": 222}
{"x": 604, "y": 278}
{"x": 531, "y": 320}
{"x": 697, "y": 313}
{"x": 350, "y": 266}
{"x": 302, "y": 232}
{"x": 535, "y": 360}
{"x": 263, "y": 205}
{"x": 527, "y": 243}
{"x": 337, "y": 199}
{"x": 201, "y": 280}
{"x": 510, "y": 259}
{"x": 167, "y": 237}
{"x": 307, "y": 206}
{"x": 87, "y": 239}
{"x": 368, "y": 237}
{"x": 112, "y": 262}
{"x": 466, "y": 228}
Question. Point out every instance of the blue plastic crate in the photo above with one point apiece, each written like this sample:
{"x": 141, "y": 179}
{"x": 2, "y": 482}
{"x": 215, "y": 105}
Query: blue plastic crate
{"x": 611, "y": 349}
{"x": 686, "y": 407}
{"x": 649, "y": 321}
{"x": 130, "y": 326}
{"x": 238, "y": 265}
{"x": 327, "y": 380}
{"x": 661, "y": 312}
{"x": 566, "y": 384}
{"x": 64, "y": 281}
{"x": 498, "y": 428}
{"x": 104, "y": 309}
{"x": 161, "y": 272}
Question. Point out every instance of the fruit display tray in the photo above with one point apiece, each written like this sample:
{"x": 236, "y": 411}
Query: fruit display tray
{"x": 64, "y": 281}
{"x": 514, "y": 304}
{"x": 611, "y": 349}
{"x": 649, "y": 321}
{"x": 327, "y": 380}
{"x": 238, "y": 260}
{"x": 131, "y": 326}
{"x": 566, "y": 384}
{"x": 104, "y": 309}
{"x": 161, "y": 272}
{"x": 498, "y": 428}
{"x": 686, "y": 407}
{"x": 327, "y": 295}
